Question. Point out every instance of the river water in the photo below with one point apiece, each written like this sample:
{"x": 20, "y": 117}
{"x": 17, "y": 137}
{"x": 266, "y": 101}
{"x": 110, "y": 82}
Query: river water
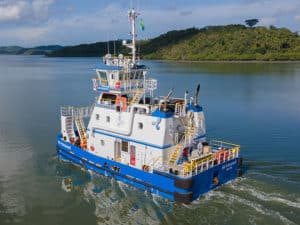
{"x": 255, "y": 105}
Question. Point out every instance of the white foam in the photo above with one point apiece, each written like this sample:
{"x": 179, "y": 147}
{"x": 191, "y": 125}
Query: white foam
{"x": 274, "y": 197}
{"x": 122, "y": 186}
{"x": 258, "y": 208}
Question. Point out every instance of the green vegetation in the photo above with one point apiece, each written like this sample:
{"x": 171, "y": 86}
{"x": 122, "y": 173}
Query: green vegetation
{"x": 251, "y": 22}
{"x": 234, "y": 42}
{"x": 89, "y": 50}
{"x": 231, "y": 42}
{"x": 40, "y": 50}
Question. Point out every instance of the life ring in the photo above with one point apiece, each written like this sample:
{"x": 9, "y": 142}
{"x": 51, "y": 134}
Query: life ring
{"x": 92, "y": 148}
{"x": 122, "y": 102}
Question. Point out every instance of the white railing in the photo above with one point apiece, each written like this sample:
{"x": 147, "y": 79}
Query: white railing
{"x": 180, "y": 109}
{"x": 81, "y": 112}
{"x": 66, "y": 111}
{"x": 151, "y": 84}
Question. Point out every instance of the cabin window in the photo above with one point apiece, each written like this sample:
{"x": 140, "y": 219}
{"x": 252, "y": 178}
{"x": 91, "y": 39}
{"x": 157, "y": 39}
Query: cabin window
{"x": 107, "y": 97}
{"x": 124, "y": 146}
{"x": 131, "y": 75}
{"x": 140, "y": 125}
{"x": 107, "y": 119}
{"x": 97, "y": 117}
{"x": 102, "y": 142}
{"x": 132, "y": 155}
{"x": 103, "y": 78}
{"x": 121, "y": 76}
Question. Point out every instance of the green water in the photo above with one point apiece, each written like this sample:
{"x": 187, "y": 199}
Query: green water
{"x": 254, "y": 105}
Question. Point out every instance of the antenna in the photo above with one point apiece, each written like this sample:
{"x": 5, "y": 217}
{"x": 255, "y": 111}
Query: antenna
{"x": 132, "y": 14}
{"x": 107, "y": 47}
{"x": 114, "y": 47}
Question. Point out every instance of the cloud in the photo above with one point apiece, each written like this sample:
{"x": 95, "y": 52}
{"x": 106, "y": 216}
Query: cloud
{"x": 267, "y": 21}
{"x": 11, "y": 12}
{"x": 38, "y": 24}
{"x": 70, "y": 9}
{"x": 24, "y": 35}
{"x": 185, "y": 13}
{"x": 24, "y": 11}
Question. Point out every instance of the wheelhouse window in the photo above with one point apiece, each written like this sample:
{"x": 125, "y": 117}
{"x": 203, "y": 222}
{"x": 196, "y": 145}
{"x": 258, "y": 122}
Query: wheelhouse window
{"x": 103, "y": 78}
{"x": 132, "y": 75}
{"x": 121, "y": 76}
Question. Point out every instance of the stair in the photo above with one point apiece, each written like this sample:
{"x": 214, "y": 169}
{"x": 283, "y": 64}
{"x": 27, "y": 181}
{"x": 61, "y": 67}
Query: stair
{"x": 184, "y": 121}
{"x": 69, "y": 128}
{"x": 82, "y": 132}
{"x": 179, "y": 147}
{"x": 138, "y": 94}
{"x": 175, "y": 154}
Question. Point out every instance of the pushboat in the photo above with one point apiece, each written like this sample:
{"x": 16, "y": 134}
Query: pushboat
{"x": 157, "y": 144}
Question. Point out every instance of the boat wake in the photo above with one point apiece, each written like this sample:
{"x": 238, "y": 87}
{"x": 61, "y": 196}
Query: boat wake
{"x": 121, "y": 204}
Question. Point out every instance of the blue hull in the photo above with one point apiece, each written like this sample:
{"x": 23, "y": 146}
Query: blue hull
{"x": 164, "y": 184}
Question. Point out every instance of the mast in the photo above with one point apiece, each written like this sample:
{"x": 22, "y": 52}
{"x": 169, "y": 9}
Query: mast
{"x": 132, "y": 14}
{"x": 114, "y": 47}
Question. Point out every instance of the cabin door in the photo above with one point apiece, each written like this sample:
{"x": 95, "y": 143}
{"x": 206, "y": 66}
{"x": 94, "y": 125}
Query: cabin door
{"x": 117, "y": 151}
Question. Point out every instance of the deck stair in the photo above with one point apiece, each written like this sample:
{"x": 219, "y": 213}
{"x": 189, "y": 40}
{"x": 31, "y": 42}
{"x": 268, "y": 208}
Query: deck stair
{"x": 137, "y": 96}
{"x": 187, "y": 137}
{"x": 82, "y": 132}
{"x": 69, "y": 128}
{"x": 177, "y": 150}
{"x": 184, "y": 121}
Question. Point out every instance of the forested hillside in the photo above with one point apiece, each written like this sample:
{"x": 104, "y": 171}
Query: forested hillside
{"x": 17, "y": 50}
{"x": 231, "y": 42}
{"x": 234, "y": 42}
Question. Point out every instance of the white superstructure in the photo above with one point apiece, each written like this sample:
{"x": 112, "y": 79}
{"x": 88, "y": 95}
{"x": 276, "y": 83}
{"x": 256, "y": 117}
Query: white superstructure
{"x": 128, "y": 124}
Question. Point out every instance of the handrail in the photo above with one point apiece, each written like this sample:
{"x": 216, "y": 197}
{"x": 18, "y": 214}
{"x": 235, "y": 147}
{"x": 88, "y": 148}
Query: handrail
{"x": 225, "y": 143}
{"x": 204, "y": 162}
{"x": 77, "y": 111}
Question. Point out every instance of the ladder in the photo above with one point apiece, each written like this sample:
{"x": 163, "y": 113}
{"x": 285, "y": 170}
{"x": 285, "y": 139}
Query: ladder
{"x": 69, "y": 128}
{"x": 179, "y": 147}
{"x": 82, "y": 132}
{"x": 138, "y": 94}
{"x": 190, "y": 133}
{"x": 177, "y": 150}
{"x": 179, "y": 109}
{"x": 184, "y": 121}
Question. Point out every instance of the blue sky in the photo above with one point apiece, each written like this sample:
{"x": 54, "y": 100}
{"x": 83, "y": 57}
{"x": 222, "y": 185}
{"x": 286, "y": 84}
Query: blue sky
{"x": 69, "y": 22}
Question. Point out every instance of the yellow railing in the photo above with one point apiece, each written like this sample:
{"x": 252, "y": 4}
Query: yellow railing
{"x": 195, "y": 164}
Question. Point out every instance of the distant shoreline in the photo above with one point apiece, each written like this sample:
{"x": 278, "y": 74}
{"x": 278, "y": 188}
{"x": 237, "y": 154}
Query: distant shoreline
{"x": 226, "y": 61}
{"x": 179, "y": 61}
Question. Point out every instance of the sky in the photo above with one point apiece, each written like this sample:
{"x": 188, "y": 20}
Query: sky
{"x": 30, "y": 23}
